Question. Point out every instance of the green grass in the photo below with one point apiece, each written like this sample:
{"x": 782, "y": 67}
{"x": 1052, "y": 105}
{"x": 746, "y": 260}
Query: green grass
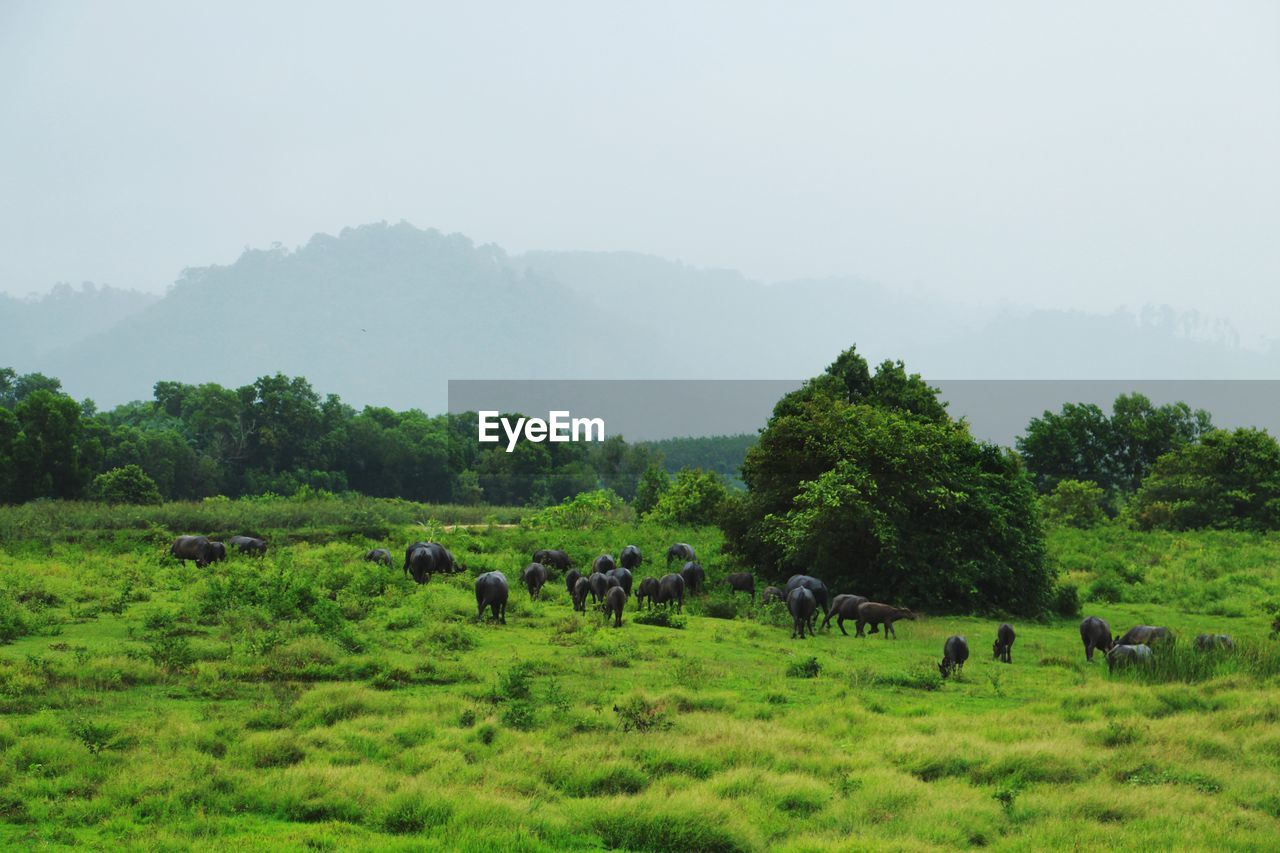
{"x": 313, "y": 700}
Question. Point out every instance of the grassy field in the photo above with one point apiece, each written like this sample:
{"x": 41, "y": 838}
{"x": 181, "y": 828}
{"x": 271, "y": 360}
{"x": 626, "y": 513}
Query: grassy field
{"x": 313, "y": 700}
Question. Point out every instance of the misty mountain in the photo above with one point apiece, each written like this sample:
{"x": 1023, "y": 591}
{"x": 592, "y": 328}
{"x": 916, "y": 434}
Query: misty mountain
{"x": 33, "y": 327}
{"x": 387, "y": 314}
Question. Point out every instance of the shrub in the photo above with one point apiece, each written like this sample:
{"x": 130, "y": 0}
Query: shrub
{"x": 694, "y": 497}
{"x": 126, "y": 485}
{"x": 807, "y": 668}
{"x": 585, "y": 511}
{"x": 720, "y": 608}
{"x": 1066, "y": 600}
{"x": 639, "y": 714}
{"x": 13, "y": 622}
{"x": 521, "y": 715}
{"x": 661, "y": 616}
{"x": 1076, "y": 503}
{"x": 1228, "y": 480}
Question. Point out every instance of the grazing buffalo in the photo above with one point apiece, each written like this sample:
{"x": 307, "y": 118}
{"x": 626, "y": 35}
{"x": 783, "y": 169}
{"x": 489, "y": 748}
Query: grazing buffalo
{"x": 571, "y": 579}
{"x": 492, "y": 592}
{"x": 614, "y": 601}
{"x": 955, "y": 651}
{"x": 249, "y": 545}
{"x": 647, "y": 591}
{"x": 1145, "y": 635}
{"x": 603, "y": 564}
{"x": 378, "y": 555}
{"x": 802, "y": 604}
{"x": 844, "y": 607}
{"x": 680, "y": 551}
{"x": 631, "y": 557}
{"x": 624, "y": 579}
{"x": 423, "y": 559}
{"x": 1122, "y": 655}
{"x": 1205, "y": 642}
{"x": 695, "y": 579}
{"x": 556, "y": 559}
{"x": 772, "y": 593}
{"x": 873, "y": 613}
{"x": 200, "y": 549}
{"x": 819, "y": 589}
{"x": 742, "y": 582}
{"x": 671, "y": 589}
{"x": 534, "y": 577}
{"x": 1095, "y": 633}
{"x": 581, "y": 589}
{"x": 600, "y": 584}
{"x": 1003, "y": 647}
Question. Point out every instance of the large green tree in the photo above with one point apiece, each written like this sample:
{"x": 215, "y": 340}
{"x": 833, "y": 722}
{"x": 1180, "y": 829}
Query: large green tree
{"x": 862, "y": 479}
{"x": 1116, "y": 451}
{"x": 1227, "y": 480}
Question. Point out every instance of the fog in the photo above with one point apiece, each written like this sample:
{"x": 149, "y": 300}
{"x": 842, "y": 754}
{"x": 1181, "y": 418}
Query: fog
{"x": 1082, "y": 155}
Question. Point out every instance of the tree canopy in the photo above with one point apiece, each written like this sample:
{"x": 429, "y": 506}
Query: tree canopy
{"x": 863, "y": 479}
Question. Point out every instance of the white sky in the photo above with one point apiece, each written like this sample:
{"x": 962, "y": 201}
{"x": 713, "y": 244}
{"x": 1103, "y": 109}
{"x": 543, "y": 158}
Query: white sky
{"x": 1052, "y": 154}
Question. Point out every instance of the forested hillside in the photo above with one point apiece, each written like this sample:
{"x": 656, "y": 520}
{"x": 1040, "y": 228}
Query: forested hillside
{"x": 387, "y": 314}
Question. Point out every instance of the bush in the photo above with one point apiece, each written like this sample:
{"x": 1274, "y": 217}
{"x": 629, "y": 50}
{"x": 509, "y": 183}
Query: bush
{"x": 1066, "y": 600}
{"x": 638, "y": 713}
{"x": 694, "y": 497}
{"x": 585, "y": 511}
{"x": 866, "y": 482}
{"x": 1228, "y": 480}
{"x": 807, "y": 668}
{"x": 1076, "y": 503}
{"x": 126, "y": 485}
{"x": 660, "y": 616}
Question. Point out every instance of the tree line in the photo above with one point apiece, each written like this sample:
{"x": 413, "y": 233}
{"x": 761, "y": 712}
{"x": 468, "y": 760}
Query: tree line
{"x": 278, "y": 435}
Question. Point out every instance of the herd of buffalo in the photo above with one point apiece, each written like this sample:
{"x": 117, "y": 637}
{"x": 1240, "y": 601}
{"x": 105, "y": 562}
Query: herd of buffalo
{"x": 611, "y": 584}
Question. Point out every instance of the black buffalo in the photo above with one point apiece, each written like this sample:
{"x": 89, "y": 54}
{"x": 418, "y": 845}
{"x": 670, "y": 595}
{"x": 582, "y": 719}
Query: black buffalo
{"x": 646, "y": 592}
{"x": 695, "y": 579}
{"x": 802, "y": 604}
{"x": 534, "y": 577}
{"x": 556, "y": 559}
{"x": 581, "y": 589}
{"x": 1095, "y": 633}
{"x": 680, "y": 551}
{"x": 772, "y": 593}
{"x": 631, "y": 558}
{"x": 603, "y": 564}
{"x": 614, "y": 601}
{"x": 874, "y": 613}
{"x": 571, "y": 579}
{"x": 671, "y": 589}
{"x": 423, "y": 559}
{"x": 249, "y": 545}
{"x": 492, "y": 592}
{"x": 624, "y": 578}
{"x": 378, "y": 555}
{"x": 742, "y": 582}
{"x": 819, "y": 589}
{"x": 842, "y": 608}
{"x": 201, "y": 549}
{"x": 1003, "y": 648}
{"x": 955, "y": 651}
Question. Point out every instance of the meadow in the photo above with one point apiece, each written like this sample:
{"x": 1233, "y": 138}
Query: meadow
{"x": 312, "y": 700}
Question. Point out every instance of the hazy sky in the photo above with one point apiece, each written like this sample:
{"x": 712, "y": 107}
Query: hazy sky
{"x": 1053, "y": 154}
